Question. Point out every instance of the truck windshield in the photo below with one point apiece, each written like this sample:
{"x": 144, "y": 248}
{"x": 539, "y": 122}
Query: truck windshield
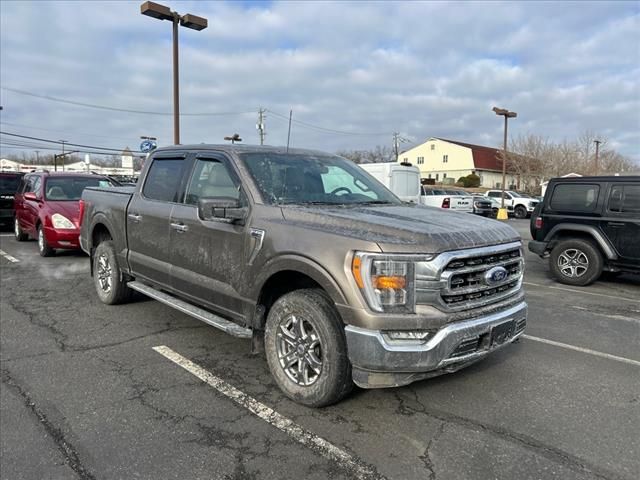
{"x": 314, "y": 179}
{"x": 70, "y": 188}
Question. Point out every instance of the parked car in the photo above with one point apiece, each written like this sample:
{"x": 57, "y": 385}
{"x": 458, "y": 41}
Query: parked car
{"x": 401, "y": 179}
{"x": 516, "y": 204}
{"x": 586, "y": 225}
{"x": 311, "y": 258}
{"x": 47, "y": 208}
{"x": 482, "y": 206}
{"x": 9, "y": 183}
{"x": 443, "y": 198}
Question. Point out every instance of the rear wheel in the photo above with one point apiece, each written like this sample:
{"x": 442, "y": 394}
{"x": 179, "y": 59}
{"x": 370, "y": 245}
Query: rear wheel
{"x": 17, "y": 231}
{"x": 576, "y": 262}
{"x": 43, "y": 247}
{"x": 306, "y": 349}
{"x": 108, "y": 278}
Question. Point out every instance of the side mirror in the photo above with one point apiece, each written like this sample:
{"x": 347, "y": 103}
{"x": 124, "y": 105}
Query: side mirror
{"x": 221, "y": 209}
{"x": 31, "y": 196}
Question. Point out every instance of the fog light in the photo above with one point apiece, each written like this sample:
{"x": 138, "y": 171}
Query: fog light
{"x": 408, "y": 334}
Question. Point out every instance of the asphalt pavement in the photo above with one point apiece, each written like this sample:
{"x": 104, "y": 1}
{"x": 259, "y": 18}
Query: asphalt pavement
{"x": 88, "y": 393}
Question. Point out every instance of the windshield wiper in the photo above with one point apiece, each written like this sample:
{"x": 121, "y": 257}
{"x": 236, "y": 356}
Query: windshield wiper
{"x": 376, "y": 202}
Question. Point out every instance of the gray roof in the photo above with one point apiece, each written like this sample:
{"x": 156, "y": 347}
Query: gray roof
{"x": 238, "y": 148}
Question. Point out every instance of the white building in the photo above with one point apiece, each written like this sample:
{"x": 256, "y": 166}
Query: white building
{"x": 445, "y": 161}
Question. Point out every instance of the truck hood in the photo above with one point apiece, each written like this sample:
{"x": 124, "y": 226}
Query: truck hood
{"x": 403, "y": 229}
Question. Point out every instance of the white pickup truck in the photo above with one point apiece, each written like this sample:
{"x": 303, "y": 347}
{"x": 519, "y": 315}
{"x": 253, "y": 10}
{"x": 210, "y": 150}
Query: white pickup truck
{"x": 446, "y": 198}
{"x": 516, "y": 204}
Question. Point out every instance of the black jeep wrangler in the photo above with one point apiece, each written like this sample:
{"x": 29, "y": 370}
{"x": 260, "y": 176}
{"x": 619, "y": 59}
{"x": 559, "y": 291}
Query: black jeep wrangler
{"x": 587, "y": 225}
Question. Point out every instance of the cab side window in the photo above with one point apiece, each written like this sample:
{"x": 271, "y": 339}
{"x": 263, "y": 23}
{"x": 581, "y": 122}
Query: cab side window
{"x": 211, "y": 178}
{"x": 163, "y": 179}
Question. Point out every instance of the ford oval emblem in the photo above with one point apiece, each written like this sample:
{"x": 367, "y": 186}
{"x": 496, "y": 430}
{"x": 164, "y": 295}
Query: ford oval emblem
{"x": 495, "y": 275}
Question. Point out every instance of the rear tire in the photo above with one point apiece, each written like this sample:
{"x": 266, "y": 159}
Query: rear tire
{"x": 576, "y": 262}
{"x": 306, "y": 349}
{"x": 17, "y": 231}
{"x": 108, "y": 279}
{"x": 43, "y": 247}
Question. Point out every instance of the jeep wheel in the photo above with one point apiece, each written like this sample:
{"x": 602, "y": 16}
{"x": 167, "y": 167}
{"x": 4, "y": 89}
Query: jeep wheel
{"x": 110, "y": 283}
{"x": 576, "y": 262}
{"x": 520, "y": 212}
{"x": 43, "y": 247}
{"x": 306, "y": 349}
{"x": 17, "y": 231}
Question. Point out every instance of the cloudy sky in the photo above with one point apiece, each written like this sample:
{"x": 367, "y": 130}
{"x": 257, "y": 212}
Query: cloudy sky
{"x": 363, "y": 70}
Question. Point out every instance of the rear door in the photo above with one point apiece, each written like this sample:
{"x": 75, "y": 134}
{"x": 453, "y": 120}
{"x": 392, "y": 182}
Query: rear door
{"x": 208, "y": 257}
{"x": 621, "y": 222}
{"x": 149, "y": 214}
{"x": 29, "y": 209}
{"x": 405, "y": 183}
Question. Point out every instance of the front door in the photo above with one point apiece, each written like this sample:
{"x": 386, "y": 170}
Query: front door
{"x": 208, "y": 257}
{"x": 148, "y": 219}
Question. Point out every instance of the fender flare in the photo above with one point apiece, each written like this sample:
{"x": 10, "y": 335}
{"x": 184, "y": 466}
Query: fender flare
{"x": 600, "y": 239}
{"x": 304, "y": 265}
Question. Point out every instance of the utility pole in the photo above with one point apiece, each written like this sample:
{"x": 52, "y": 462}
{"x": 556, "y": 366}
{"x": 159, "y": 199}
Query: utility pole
{"x": 289, "y": 132}
{"x": 260, "y": 125}
{"x": 55, "y": 163}
{"x": 597, "y": 142}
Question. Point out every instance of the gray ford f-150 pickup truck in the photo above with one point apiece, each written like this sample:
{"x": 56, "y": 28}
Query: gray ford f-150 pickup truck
{"x": 322, "y": 266}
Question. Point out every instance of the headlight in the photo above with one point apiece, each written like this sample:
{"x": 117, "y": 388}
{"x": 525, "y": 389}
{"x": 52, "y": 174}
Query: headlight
{"x": 61, "y": 222}
{"x": 387, "y": 282}
{"x": 533, "y": 204}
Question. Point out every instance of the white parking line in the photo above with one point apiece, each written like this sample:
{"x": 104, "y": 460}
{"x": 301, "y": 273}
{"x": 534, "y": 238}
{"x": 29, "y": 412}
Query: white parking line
{"x": 272, "y": 417}
{"x": 583, "y": 350}
{"x": 8, "y": 257}
{"x": 582, "y": 291}
{"x": 6, "y": 234}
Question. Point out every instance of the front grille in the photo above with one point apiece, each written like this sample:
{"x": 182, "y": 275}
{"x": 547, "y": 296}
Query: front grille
{"x": 471, "y": 279}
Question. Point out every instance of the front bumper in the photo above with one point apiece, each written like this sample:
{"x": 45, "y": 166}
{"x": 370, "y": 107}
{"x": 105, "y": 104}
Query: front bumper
{"x": 484, "y": 211}
{"x": 379, "y": 362}
{"x": 68, "y": 239}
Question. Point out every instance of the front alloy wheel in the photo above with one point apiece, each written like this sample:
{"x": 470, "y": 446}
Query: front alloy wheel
{"x": 299, "y": 350}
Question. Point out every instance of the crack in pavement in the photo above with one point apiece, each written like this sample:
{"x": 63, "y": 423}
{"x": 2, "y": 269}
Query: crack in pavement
{"x": 552, "y": 453}
{"x": 426, "y": 456}
{"x": 72, "y": 459}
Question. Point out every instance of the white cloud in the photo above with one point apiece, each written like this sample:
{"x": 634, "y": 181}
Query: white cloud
{"x": 423, "y": 68}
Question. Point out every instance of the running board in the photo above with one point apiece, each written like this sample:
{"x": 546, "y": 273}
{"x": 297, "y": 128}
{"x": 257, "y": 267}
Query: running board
{"x": 193, "y": 311}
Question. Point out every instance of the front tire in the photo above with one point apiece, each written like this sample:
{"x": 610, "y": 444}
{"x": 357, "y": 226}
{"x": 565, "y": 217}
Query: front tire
{"x": 43, "y": 247}
{"x": 576, "y": 262}
{"x": 109, "y": 280}
{"x": 17, "y": 231}
{"x": 306, "y": 349}
{"x": 520, "y": 212}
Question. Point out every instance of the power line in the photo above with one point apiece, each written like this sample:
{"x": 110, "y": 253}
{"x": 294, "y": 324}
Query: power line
{"x": 58, "y": 142}
{"x": 327, "y": 130}
{"x": 116, "y": 109}
{"x": 84, "y": 134}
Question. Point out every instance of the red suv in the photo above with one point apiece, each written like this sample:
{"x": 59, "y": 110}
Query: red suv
{"x": 47, "y": 207}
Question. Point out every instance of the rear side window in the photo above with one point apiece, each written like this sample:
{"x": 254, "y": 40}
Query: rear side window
{"x": 163, "y": 180}
{"x": 625, "y": 199}
{"x": 575, "y": 197}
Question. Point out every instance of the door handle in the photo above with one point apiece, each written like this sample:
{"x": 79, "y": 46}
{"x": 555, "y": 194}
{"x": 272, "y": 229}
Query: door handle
{"x": 615, "y": 224}
{"x": 135, "y": 217}
{"x": 179, "y": 227}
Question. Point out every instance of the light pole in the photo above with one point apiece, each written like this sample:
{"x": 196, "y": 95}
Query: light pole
{"x": 502, "y": 213}
{"x": 597, "y": 142}
{"x": 194, "y": 22}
